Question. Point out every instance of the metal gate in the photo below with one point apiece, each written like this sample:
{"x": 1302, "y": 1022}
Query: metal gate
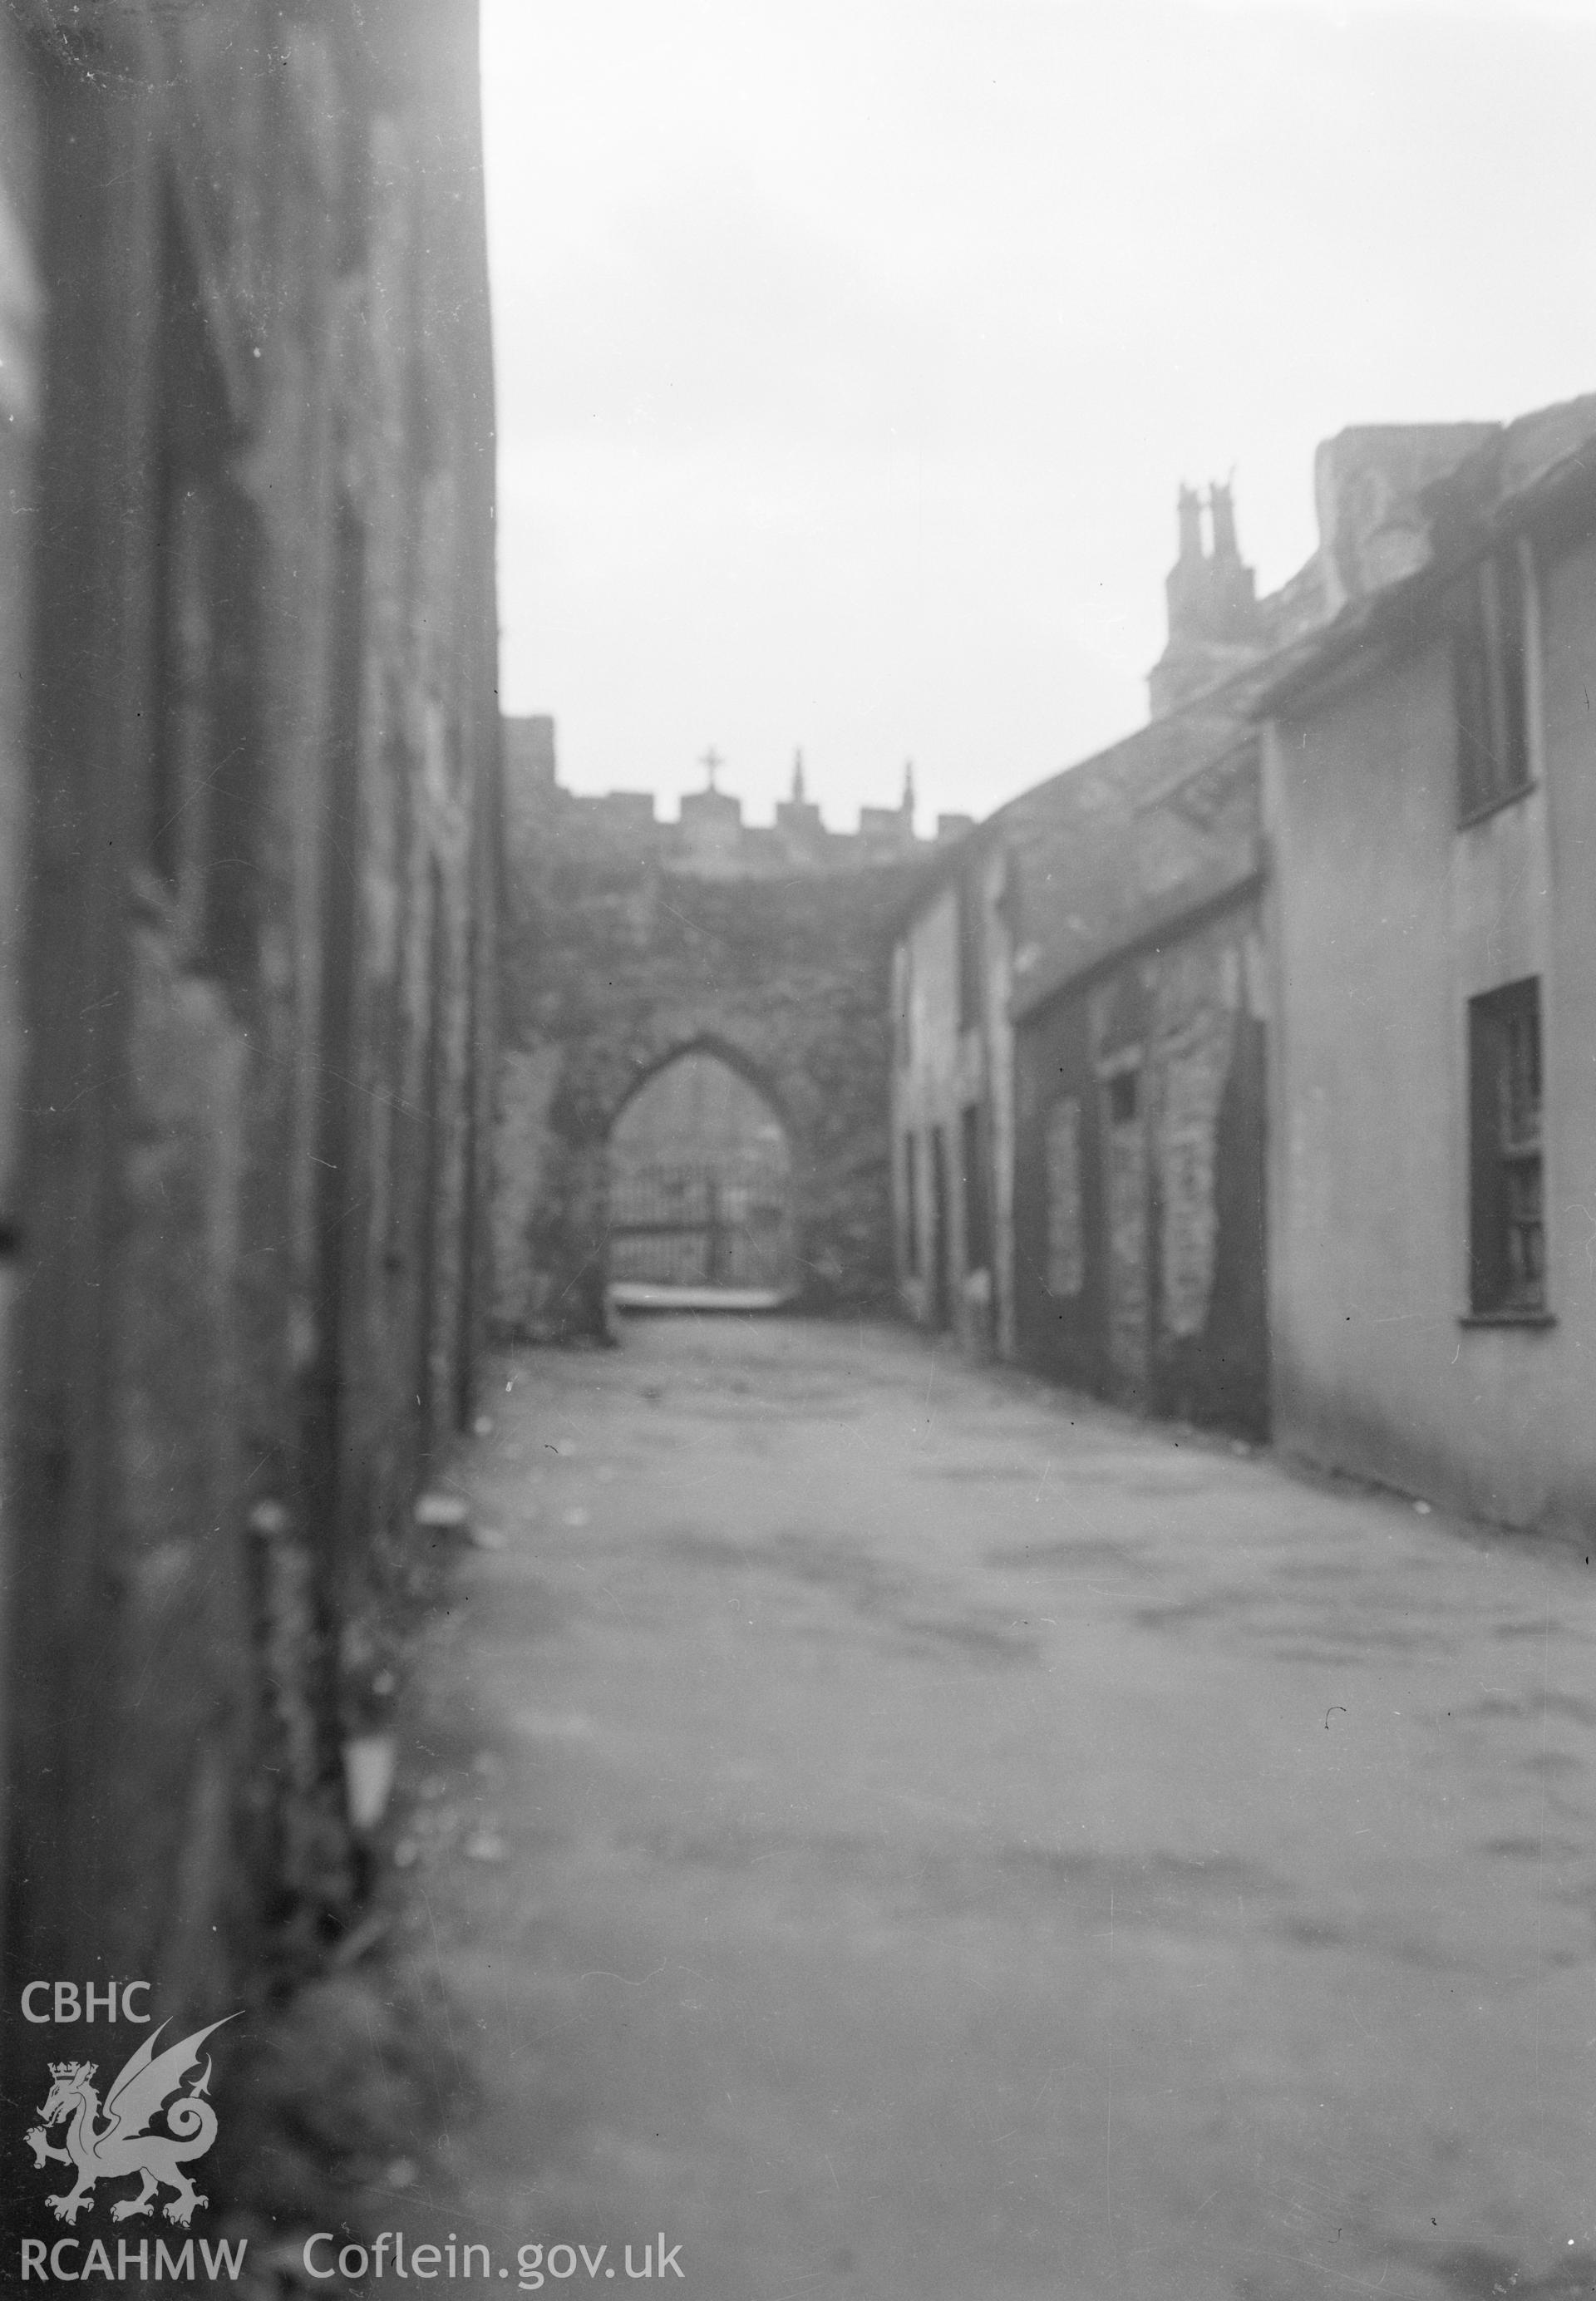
{"x": 702, "y": 1224}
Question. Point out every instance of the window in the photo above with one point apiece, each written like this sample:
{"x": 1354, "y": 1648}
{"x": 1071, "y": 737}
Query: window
{"x": 1489, "y": 686}
{"x": 1507, "y": 1220}
{"x": 911, "y": 1205}
{"x": 1061, "y": 1154}
{"x": 1123, "y": 1090}
{"x": 978, "y": 1247}
{"x": 203, "y": 767}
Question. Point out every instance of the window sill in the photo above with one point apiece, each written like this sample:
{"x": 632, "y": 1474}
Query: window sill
{"x": 1508, "y": 1319}
{"x": 1494, "y": 807}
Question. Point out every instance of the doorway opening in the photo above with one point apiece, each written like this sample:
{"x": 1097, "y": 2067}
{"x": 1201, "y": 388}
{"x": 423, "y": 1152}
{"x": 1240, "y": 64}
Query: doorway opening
{"x": 1129, "y": 1289}
{"x": 701, "y": 1184}
{"x": 941, "y": 1235}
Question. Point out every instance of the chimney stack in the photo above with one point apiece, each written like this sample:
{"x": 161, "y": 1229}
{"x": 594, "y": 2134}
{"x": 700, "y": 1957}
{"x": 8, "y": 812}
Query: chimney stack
{"x": 1214, "y": 621}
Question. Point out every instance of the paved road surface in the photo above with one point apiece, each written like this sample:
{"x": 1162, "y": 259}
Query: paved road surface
{"x": 933, "y": 1840}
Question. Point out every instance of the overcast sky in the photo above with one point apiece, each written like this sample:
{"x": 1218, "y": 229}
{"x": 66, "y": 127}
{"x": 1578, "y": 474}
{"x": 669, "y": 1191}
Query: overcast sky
{"x": 850, "y": 352}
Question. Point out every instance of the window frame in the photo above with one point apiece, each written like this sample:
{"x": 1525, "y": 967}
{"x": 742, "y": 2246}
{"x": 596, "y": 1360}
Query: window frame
{"x": 1493, "y": 635}
{"x": 1507, "y": 1142}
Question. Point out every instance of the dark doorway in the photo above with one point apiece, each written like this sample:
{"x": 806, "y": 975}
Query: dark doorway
{"x": 701, "y": 1183}
{"x": 941, "y": 1291}
{"x": 978, "y": 1220}
{"x": 1124, "y": 1133}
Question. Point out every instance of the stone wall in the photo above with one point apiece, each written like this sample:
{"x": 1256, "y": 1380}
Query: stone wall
{"x": 614, "y": 959}
{"x": 21, "y": 302}
{"x": 256, "y": 820}
{"x": 1050, "y": 885}
{"x": 1139, "y": 1187}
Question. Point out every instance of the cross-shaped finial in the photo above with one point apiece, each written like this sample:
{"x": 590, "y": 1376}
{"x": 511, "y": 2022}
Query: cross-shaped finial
{"x": 712, "y": 763}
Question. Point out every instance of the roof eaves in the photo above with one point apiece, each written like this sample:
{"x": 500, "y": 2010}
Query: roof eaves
{"x": 1464, "y": 527}
{"x": 1175, "y": 916}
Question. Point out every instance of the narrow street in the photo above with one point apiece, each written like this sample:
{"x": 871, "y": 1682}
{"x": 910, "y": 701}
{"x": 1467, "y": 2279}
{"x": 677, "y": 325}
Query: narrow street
{"x": 926, "y": 1838}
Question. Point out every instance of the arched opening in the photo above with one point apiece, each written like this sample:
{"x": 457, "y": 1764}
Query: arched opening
{"x": 700, "y": 1187}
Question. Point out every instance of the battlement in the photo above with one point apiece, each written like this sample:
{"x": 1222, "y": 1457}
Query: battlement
{"x": 709, "y": 838}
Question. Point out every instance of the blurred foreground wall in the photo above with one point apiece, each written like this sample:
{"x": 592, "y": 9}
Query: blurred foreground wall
{"x": 248, "y": 774}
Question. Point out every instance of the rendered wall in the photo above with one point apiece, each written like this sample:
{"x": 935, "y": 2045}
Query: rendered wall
{"x": 1387, "y": 919}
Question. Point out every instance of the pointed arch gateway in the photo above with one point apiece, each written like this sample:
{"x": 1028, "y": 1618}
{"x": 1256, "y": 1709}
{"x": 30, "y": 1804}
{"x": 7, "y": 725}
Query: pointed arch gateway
{"x": 701, "y": 1186}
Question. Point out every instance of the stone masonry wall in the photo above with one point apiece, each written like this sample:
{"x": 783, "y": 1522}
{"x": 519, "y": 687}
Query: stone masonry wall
{"x": 259, "y": 844}
{"x": 612, "y": 965}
